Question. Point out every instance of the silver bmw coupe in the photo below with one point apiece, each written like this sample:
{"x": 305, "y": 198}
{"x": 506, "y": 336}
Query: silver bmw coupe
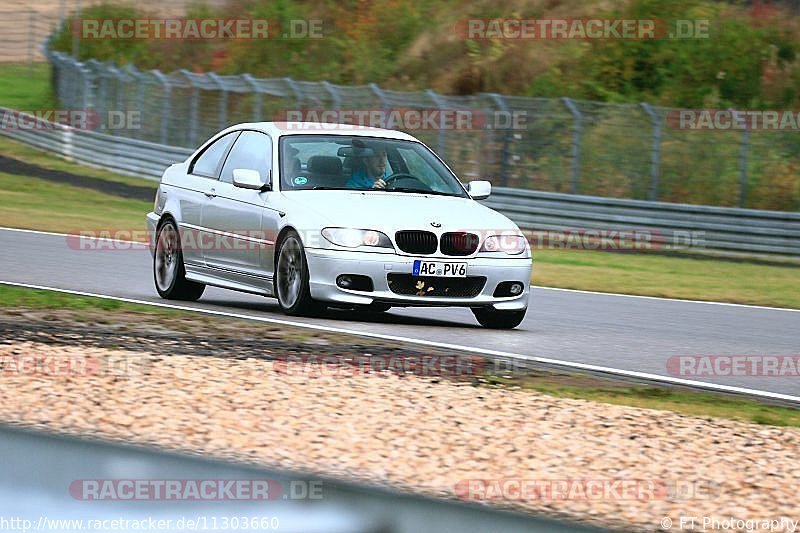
{"x": 322, "y": 215}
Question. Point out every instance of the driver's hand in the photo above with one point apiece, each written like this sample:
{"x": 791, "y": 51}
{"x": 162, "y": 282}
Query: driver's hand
{"x": 379, "y": 184}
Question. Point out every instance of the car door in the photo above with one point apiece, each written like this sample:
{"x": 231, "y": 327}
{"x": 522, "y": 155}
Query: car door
{"x": 241, "y": 220}
{"x": 200, "y": 181}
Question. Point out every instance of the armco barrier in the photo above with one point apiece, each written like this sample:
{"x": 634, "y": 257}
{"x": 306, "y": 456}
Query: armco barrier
{"x": 120, "y": 154}
{"x": 674, "y": 226}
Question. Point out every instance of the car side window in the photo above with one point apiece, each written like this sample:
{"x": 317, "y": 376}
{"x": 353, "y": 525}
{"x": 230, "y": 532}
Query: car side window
{"x": 252, "y": 150}
{"x": 207, "y": 163}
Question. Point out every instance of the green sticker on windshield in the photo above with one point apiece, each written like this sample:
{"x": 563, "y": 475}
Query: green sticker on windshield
{"x": 300, "y": 180}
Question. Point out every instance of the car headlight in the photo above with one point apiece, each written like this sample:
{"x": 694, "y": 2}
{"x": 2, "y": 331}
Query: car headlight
{"x": 353, "y": 238}
{"x": 510, "y": 244}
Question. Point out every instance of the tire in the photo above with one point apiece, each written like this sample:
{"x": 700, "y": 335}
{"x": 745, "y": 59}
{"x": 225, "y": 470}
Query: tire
{"x": 169, "y": 273}
{"x": 494, "y": 319}
{"x": 291, "y": 278}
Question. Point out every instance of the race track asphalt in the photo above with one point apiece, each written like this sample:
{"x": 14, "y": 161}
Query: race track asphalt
{"x": 616, "y": 331}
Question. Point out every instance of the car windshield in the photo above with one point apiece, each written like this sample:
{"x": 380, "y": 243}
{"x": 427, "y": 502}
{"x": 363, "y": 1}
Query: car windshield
{"x": 317, "y": 162}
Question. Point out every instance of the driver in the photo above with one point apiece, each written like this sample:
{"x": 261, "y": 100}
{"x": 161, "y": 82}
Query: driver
{"x": 369, "y": 169}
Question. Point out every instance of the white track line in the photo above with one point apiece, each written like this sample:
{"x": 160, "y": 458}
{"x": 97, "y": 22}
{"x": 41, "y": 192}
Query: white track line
{"x": 578, "y": 291}
{"x": 481, "y": 351}
{"x": 706, "y": 302}
{"x": 77, "y": 236}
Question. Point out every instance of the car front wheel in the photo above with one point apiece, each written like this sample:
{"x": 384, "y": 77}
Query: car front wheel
{"x": 169, "y": 273}
{"x": 291, "y": 279}
{"x": 494, "y": 319}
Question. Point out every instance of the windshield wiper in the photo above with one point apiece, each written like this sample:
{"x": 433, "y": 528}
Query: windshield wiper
{"x": 420, "y": 191}
{"x": 326, "y": 188}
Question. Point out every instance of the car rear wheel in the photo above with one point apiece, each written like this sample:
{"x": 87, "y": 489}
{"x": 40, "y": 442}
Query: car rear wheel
{"x": 494, "y": 319}
{"x": 169, "y": 272}
{"x": 291, "y": 279}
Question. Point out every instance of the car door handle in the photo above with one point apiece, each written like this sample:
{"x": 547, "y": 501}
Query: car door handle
{"x": 211, "y": 193}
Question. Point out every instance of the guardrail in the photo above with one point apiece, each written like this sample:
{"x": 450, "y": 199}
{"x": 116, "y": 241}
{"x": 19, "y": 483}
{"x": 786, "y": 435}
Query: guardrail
{"x": 721, "y": 230}
{"x": 120, "y": 154}
{"x": 662, "y": 225}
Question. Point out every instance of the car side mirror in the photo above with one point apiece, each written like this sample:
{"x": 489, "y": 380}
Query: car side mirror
{"x": 247, "y": 178}
{"x": 479, "y": 190}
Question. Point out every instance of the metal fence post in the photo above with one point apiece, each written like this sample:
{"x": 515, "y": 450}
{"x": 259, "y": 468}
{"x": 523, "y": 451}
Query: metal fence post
{"x": 138, "y": 77}
{"x": 336, "y": 100}
{"x": 101, "y": 75}
{"x": 223, "y": 102}
{"x": 165, "y": 104}
{"x": 298, "y": 96}
{"x": 87, "y": 101}
{"x": 655, "y": 153}
{"x": 576, "y": 142}
{"x": 194, "y": 105}
{"x": 382, "y": 97}
{"x": 743, "y": 154}
{"x": 504, "y": 154}
{"x": 257, "y": 101}
{"x": 441, "y": 134}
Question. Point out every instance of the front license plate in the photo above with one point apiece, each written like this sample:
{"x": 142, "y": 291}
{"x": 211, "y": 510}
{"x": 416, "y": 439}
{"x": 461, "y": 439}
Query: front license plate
{"x": 445, "y": 270}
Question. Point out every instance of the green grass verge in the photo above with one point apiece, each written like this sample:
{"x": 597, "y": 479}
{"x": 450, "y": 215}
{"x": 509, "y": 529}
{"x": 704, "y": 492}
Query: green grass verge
{"x": 32, "y": 203}
{"x": 670, "y": 277}
{"x": 18, "y": 297}
{"x": 26, "y": 87}
{"x": 665, "y": 399}
{"x": 580, "y": 387}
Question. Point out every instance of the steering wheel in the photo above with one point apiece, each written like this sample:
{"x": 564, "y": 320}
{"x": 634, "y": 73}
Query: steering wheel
{"x": 402, "y": 175}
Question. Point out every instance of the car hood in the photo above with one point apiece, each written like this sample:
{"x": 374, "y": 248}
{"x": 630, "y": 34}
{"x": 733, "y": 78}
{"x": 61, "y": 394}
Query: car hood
{"x": 389, "y": 212}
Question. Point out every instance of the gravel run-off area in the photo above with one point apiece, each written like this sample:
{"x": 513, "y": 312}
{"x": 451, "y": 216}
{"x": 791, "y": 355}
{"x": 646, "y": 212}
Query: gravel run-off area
{"x": 609, "y": 465}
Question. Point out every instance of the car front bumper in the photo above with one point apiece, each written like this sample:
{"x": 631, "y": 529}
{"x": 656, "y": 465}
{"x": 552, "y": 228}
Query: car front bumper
{"x": 152, "y": 225}
{"x": 326, "y": 265}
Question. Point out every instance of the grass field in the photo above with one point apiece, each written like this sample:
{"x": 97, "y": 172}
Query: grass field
{"x": 26, "y": 87}
{"x": 671, "y": 277}
{"x": 32, "y": 203}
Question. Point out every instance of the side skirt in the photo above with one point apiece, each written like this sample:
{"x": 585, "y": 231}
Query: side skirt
{"x": 231, "y": 279}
